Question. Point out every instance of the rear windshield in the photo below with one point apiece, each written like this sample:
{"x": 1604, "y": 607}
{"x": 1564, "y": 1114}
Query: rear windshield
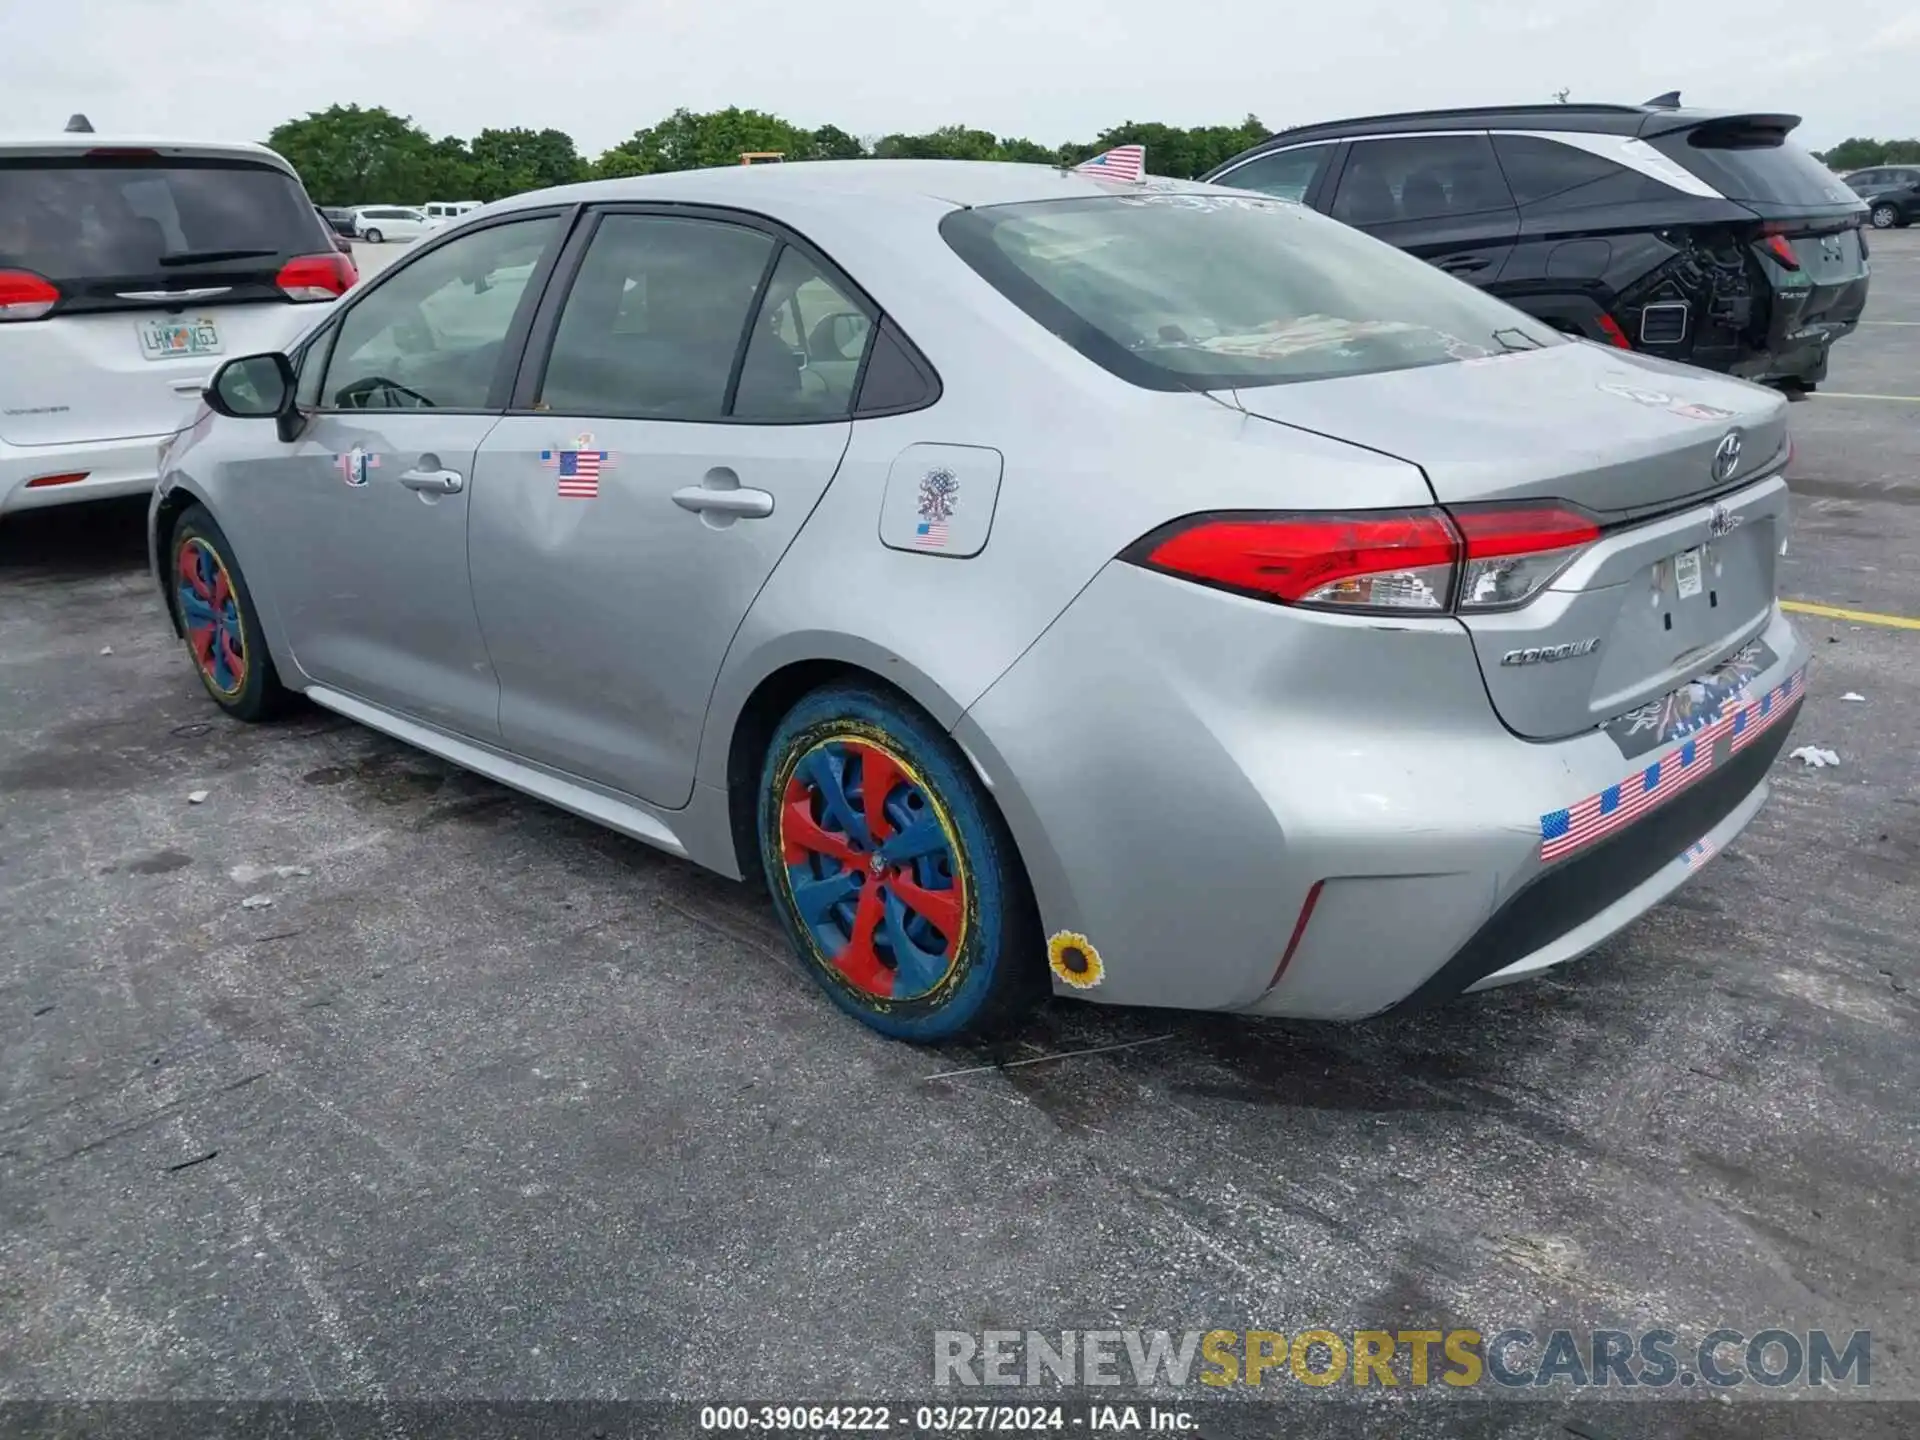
{"x": 1189, "y": 290}
{"x": 75, "y": 219}
{"x": 1757, "y": 165}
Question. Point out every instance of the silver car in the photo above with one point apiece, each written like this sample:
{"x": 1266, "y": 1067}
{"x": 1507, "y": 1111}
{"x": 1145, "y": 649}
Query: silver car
{"x": 1148, "y": 591}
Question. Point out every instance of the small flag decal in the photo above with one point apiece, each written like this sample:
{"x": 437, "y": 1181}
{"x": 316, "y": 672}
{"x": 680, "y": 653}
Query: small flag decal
{"x": 577, "y": 471}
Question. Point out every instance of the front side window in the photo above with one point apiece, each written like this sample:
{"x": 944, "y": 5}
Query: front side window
{"x": 431, "y": 336}
{"x": 1204, "y": 290}
{"x": 1287, "y": 175}
{"x": 1424, "y": 177}
{"x": 655, "y": 319}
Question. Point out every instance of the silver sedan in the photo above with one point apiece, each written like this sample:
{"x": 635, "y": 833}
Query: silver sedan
{"x": 1145, "y": 591}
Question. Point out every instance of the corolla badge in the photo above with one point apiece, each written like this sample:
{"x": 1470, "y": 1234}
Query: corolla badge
{"x": 1726, "y": 456}
{"x": 1548, "y": 654}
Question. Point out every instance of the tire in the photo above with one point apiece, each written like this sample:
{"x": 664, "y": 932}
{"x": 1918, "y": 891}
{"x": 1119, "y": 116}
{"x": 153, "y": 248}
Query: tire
{"x": 943, "y": 946}
{"x": 1885, "y": 217}
{"x": 219, "y": 622}
{"x": 373, "y": 237}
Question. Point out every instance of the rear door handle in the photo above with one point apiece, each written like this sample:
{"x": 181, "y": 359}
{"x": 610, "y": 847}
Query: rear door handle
{"x": 433, "y": 482}
{"x": 1463, "y": 264}
{"x": 744, "y": 504}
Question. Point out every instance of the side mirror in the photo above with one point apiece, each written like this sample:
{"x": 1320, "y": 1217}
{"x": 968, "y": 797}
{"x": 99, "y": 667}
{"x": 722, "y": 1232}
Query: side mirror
{"x": 254, "y": 387}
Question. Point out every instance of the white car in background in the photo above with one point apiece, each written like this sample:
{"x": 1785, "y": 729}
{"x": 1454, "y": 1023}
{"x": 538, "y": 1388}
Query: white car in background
{"x": 378, "y": 223}
{"x": 445, "y": 212}
{"x": 129, "y": 268}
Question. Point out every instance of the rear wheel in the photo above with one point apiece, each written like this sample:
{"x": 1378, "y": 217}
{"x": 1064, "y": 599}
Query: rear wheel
{"x": 373, "y": 237}
{"x": 1885, "y": 217}
{"x": 219, "y": 622}
{"x": 892, "y": 874}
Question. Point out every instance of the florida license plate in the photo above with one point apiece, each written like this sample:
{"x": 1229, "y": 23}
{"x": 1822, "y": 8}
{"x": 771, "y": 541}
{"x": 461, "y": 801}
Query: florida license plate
{"x": 170, "y": 338}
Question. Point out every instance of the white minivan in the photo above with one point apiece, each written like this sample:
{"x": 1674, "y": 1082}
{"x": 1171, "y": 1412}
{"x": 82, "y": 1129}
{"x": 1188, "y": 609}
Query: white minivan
{"x": 128, "y": 270}
{"x": 375, "y": 223}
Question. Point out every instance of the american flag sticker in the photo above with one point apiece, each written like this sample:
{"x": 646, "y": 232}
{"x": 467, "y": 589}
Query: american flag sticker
{"x": 1123, "y": 162}
{"x": 1564, "y": 831}
{"x": 1698, "y": 853}
{"x": 577, "y": 470}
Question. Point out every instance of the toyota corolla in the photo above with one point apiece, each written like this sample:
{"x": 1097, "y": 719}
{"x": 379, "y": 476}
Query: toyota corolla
{"x": 1144, "y": 590}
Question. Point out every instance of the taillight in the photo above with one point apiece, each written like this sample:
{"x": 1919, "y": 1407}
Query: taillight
{"x": 1514, "y": 551}
{"x": 1475, "y": 558}
{"x": 1781, "y": 249}
{"x": 25, "y": 295}
{"x": 317, "y": 277}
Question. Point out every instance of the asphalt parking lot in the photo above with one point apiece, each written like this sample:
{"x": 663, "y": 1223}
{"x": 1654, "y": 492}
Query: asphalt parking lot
{"x": 490, "y": 1103}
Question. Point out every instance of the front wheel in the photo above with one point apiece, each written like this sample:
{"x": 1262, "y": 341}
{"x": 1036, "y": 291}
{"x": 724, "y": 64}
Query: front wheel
{"x": 373, "y": 237}
{"x": 219, "y": 622}
{"x": 1885, "y": 217}
{"x": 895, "y": 879}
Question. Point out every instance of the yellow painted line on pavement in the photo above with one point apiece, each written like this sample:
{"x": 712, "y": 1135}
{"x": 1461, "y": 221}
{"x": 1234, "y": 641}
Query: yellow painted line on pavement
{"x": 1843, "y": 395}
{"x": 1859, "y": 617}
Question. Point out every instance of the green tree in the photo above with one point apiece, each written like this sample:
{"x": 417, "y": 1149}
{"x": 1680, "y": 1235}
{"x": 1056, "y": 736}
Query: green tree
{"x": 688, "y": 141}
{"x": 1171, "y": 150}
{"x": 350, "y": 156}
{"x": 1857, "y": 153}
{"x": 949, "y": 142}
{"x": 830, "y": 142}
{"x": 506, "y": 162}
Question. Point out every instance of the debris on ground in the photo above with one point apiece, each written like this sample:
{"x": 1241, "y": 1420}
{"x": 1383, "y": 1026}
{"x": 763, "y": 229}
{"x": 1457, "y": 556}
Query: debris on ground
{"x": 197, "y": 797}
{"x": 253, "y": 874}
{"x": 256, "y": 902}
{"x": 106, "y": 649}
{"x": 1853, "y": 695}
{"x": 1814, "y": 758}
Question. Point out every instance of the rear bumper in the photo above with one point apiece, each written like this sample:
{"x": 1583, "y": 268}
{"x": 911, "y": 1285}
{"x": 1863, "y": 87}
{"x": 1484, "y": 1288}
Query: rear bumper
{"x": 110, "y": 469}
{"x": 1270, "y": 811}
{"x": 1803, "y": 324}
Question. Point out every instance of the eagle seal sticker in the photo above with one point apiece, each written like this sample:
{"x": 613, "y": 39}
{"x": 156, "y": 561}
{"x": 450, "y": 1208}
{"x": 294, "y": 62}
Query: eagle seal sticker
{"x": 1072, "y": 957}
{"x": 354, "y": 465}
{"x": 939, "y": 500}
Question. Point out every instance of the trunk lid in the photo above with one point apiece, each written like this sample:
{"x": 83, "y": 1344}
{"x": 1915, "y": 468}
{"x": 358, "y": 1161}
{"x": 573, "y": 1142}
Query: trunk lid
{"x": 166, "y": 262}
{"x": 1683, "y": 574}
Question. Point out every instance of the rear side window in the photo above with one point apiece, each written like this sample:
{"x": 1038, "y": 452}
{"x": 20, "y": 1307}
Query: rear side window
{"x": 1537, "y": 168}
{"x": 655, "y": 319}
{"x": 1285, "y": 175}
{"x": 1425, "y": 177}
{"x": 1756, "y": 163}
{"x": 805, "y": 349}
{"x": 1199, "y": 290}
{"x": 151, "y": 221}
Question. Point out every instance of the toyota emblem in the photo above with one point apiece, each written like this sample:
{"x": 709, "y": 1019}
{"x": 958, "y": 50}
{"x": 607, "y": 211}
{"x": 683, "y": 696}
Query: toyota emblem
{"x": 1726, "y": 456}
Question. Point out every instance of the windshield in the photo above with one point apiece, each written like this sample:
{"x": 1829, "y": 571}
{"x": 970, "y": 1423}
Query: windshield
{"x": 1192, "y": 290}
{"x": 80, "y": 218}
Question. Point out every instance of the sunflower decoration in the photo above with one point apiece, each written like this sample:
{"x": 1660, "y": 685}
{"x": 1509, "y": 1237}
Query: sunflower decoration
{"x": 1073, "y": 958}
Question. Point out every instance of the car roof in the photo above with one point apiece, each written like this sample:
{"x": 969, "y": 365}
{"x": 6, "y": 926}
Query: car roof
{"x": 1599, "y": 119}
{"x": 962, "y": 183}
{"x": 66, "y": 143}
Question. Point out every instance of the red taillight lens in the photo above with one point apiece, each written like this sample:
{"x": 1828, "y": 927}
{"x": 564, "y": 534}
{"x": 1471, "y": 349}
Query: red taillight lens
{"x": 25, "y": 295}
{"x": 1474, "y": 558}
{"x": 1610, "y": 327}
{"x": 70, "y": 477}
{"x": 1781, "y": 249}
{"x": 1368, "y": 560}
{"x": 317, "y": 277}
{"x": 1515, "y": 551}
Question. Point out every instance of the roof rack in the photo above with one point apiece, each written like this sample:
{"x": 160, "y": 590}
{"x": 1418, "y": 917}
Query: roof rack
{"x": 1556, "y": 107}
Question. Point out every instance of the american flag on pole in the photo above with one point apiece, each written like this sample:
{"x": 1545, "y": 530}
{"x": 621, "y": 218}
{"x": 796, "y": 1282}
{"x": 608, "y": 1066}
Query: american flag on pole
{"x": 1123, "y": 162}
{"x": 577, "y": 470}
{"x": 1564, "y": 831}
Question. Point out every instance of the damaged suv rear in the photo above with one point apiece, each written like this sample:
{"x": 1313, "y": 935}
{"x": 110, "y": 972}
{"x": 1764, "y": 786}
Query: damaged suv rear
{"x": 1698, "y": 236}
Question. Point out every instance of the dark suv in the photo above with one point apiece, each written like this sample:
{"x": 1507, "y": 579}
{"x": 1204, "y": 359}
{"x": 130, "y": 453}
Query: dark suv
{"x": 1892, "y": 193}
{"x": 1704, "y": 237}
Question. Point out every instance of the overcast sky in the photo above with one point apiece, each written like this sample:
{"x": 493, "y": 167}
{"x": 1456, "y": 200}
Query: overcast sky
{"x": 1050, "y": 70}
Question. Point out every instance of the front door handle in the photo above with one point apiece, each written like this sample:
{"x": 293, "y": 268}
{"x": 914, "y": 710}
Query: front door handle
{"x": 433, "y": 482}
{"x": 742, "y": 504}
